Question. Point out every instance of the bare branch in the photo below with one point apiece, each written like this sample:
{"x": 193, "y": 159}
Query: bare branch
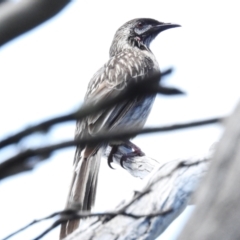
{"x": 134, "y": 209}
{"x": 173, "y": 192}
{"x": 149, "y": 86}
{"x": 28, "y": 159}
{"x": 19, "y": 17}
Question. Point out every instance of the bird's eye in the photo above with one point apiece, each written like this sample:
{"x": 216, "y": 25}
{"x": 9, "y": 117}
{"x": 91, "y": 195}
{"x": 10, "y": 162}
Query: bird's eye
{"x": 140, "y": 25}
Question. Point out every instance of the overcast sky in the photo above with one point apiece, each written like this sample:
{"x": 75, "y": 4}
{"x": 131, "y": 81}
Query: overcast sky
{"x": 45, "y": 73}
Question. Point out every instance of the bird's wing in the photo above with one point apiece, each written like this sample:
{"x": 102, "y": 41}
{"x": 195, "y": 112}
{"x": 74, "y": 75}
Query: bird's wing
{"x": 112, "y": 78}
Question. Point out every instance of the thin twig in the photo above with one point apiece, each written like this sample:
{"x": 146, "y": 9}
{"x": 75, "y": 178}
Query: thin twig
{"x": 69, "y": 214}
{"x": 33, "y": 223}
{"x": 140, "y": 88}
{"x": 20, "y": 162}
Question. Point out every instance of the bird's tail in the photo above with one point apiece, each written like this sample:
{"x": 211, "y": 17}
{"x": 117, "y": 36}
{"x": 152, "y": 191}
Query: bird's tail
{"x": 83, "y": 188}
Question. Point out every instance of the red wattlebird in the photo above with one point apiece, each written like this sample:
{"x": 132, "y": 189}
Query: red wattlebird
{"x": 130, "y": 60}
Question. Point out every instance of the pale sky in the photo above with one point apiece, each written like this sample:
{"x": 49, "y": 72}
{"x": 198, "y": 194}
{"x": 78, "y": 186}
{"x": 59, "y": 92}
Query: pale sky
{"x": 45, "y": 73}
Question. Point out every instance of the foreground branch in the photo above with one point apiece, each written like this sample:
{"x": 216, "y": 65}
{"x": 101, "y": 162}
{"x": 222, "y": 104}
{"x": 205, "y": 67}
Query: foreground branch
{"x": 217, "y": 214}
{"x": 28, "y": 159}
{"x": 19, "y": 17}
{"x": 149, "y": 86}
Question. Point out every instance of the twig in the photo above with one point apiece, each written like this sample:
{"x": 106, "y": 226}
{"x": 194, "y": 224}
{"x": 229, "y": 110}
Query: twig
{"x": 69, "y": 214}
{"x": 134, "y": 89}
{"x": 18, "y": 18}
{"x": 20, "y": 162}
{"x": 33, "y": 223}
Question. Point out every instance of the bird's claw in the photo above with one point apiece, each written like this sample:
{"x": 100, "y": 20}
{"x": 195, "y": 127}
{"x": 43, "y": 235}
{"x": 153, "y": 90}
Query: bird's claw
{"x": 135, "y": 151}
{"x": 123, "y": 158}
{"x": 138, "y": 153}
{"x": 110, "y": 156}
{"x": 109, "y": 162}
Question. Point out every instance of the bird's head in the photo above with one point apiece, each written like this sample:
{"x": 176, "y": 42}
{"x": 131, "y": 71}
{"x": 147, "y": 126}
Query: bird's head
{"x": 138, "y": 32}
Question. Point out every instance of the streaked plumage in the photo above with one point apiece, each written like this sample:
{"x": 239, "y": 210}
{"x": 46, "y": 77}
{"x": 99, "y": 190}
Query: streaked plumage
{"x": 130, "y": 60}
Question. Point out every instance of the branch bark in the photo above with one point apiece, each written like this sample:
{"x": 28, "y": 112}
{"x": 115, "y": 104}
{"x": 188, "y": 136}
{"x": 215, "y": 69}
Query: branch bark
{"x": 171, "y": 187}
{"x": 217, "y": 214}
{"x": 148, "y": 213}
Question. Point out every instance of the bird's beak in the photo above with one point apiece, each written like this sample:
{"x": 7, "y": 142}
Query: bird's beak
{"x": 162, "y": 27}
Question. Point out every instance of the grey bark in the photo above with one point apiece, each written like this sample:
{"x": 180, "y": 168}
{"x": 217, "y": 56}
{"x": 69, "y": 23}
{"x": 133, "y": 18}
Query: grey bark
{"x": 171, "y": 185}
{"x": 217, "y": 215}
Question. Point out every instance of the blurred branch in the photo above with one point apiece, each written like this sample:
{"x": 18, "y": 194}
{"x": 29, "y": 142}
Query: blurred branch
{"x": 149, "y": 86}
{"x": 3, "y": 1}
{"x": 217, "y": 213}
{"x": 27, "y": 160}
{"x": 19, "y": 17}
{"x": 170, "y": 171}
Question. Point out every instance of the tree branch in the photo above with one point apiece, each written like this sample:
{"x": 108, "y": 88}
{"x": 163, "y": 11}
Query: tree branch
{"x": 28, "y": 159}
{"x": 19, "y": 17}
{"x": 171, "y": 184}
{"x": 172, "y": 192}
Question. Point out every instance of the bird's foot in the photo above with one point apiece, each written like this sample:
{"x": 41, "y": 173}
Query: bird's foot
{"x": 136, "y": 152}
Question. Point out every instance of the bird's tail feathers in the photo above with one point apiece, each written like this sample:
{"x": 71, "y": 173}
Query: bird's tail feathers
{"x": 83, "y": 188}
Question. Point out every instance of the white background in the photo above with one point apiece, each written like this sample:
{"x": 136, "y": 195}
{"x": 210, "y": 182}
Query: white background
{"x": 45, "y": 73}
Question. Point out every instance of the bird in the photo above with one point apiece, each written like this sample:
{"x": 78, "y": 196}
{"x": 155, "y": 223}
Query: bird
{"x": 130, "y": 60}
